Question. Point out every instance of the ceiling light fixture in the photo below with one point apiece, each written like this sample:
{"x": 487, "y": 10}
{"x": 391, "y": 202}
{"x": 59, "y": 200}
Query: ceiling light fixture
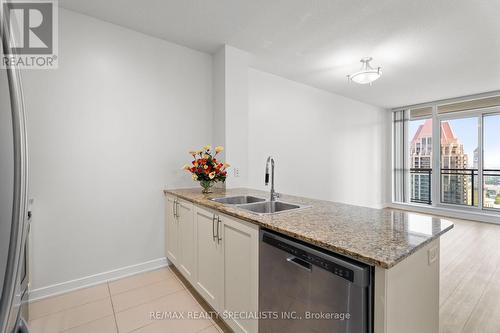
{"x": 367, "y": 74}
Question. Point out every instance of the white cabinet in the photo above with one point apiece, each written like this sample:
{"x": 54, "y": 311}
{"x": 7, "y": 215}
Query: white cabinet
{"x": 171, "y": 230}
{"x": 208, "y": 258}
{"x": 228, "y": 266}
{"x": 240, "y": 241}
{"x": 186, "y": 246}
{"x": 219, "y": 255}
{"x": 179, "y": 238}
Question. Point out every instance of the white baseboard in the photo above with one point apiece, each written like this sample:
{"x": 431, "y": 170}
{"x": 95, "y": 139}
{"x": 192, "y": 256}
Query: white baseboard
{"x": 451, "y": 213}
{"x": 92, "y": 280}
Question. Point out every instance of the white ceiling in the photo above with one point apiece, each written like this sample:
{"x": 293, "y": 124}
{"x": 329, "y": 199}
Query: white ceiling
{"x": 428, "y": 49}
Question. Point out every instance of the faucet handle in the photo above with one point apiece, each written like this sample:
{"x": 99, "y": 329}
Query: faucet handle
{"x": 276, "y": 195}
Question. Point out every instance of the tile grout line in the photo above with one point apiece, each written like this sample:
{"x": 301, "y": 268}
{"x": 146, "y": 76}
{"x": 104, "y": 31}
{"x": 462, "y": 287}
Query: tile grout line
{"x": 131, "y": 289}
{"x": 110, "y": 297}
{"x": 191, "y": 290}
{"x": 97, "y": 299}
{"x": 143, "y": 286}
{"x": 185, "y": 289}
{"x": 204, "y": 328}
{"x": 149, "y": 301}
{"x": 172, "y": 277}
{"x": 83, "y": 324}
{"x": 112, "y": 307}
{"x": 70, "y": 308}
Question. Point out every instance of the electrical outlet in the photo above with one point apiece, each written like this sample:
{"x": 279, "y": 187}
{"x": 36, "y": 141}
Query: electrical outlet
{"x": 236, "y": 172}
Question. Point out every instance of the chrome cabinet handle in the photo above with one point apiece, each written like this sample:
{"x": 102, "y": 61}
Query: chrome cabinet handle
{"x": 173, "y": 209}
{"x": 213, "y": 226}
{"x": 218, "y": 234}
{"x": 177, "y": 210}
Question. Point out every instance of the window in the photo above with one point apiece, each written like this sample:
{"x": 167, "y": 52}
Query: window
{"x": 420, "y": 149}
{"x": 459, "y": 174}
{"x": 491, "y": 153}
{"x": 462, "y": 168}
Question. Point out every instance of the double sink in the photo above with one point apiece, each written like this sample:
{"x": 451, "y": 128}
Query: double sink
{"x": 258, "y": 205}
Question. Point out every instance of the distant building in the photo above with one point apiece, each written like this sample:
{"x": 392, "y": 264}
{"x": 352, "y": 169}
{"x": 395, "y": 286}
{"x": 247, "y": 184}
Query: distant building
{"x": 421, "y": 158}
{"x": 455, "y": 186}
{"x": 476, "y": 159}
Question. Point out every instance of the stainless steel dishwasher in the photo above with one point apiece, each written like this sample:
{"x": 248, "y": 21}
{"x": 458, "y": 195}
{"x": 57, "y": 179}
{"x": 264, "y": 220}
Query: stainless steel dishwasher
{"x": 304, "y": 289}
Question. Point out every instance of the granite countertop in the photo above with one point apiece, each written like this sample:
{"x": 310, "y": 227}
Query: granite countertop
{"x": 379, "y": 237}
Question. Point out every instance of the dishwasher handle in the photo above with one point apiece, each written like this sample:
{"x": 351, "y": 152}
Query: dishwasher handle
{"x": 345, "y": 268}
{"x": 300, "y": 263}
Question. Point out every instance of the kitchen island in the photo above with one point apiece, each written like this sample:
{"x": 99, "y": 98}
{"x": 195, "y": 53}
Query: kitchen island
{"x": 401, "y": 246}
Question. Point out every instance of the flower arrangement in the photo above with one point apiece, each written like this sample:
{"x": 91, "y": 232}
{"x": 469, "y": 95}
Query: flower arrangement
{"x": 205, "y": 168}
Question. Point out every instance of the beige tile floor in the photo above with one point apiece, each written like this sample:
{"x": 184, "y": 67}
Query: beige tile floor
{"x": 123, "y": 306}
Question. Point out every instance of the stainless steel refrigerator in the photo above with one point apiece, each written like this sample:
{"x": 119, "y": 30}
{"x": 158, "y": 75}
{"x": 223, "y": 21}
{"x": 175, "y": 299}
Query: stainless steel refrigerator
{"x": 14, "y": 221}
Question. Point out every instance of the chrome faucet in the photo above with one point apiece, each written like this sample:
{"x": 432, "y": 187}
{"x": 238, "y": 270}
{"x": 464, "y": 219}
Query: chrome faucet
{"x": 273, "y": 195}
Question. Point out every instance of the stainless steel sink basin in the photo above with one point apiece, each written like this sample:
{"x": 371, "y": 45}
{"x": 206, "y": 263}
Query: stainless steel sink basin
{"x": 238, "y": 200}
{"x": 270, "y": 207}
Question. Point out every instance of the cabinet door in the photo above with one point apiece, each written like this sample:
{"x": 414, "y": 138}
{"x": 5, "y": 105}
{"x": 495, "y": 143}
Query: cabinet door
{"x": 208, "y": 258}
{"x": 171, "y": 230}
{"x": 185, "y": 218}
{"x": 240, "y": 241}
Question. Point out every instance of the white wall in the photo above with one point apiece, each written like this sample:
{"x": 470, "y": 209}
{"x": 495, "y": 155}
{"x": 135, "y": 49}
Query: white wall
{"x": 230, "y": 82}
{"x": 107, "y": 131}
{"x": 219, "y": 99}
{"x": 326, "y": 146}
{"x": 236, "y": 123}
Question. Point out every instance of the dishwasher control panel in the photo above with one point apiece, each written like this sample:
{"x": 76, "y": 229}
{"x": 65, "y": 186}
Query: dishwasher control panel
{"x": 313, "y": 259}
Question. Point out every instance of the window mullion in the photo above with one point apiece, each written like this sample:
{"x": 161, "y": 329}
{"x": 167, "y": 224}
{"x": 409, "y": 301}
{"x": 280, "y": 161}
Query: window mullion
{"x": 406, "y": 159}
{"x": 436, "y": 154}
{"x": 480, "y": 186}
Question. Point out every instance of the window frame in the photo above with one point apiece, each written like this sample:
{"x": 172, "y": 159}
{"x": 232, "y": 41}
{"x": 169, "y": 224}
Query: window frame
{"x": 452, "y": 116}
{"x": 494, "y": 112}
{"x": 436, "y": 178}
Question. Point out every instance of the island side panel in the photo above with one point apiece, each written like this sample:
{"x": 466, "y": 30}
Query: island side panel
{"x": 407, "y": 295}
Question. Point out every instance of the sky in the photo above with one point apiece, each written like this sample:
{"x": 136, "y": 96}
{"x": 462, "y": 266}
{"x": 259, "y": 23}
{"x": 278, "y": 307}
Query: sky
{"x": 467, "y": 132}
{"x": 492, "y": 142}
